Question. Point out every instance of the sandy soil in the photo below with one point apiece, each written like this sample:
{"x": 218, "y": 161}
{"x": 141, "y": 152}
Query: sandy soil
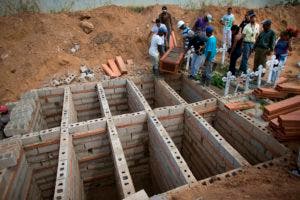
{"x": 272, "y": 183}
{"x": 36, "y": 47}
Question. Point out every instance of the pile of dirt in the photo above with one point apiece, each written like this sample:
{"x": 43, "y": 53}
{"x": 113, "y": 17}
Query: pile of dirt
{"x": 35, "y": 47}
{"x": 272, "y": 183}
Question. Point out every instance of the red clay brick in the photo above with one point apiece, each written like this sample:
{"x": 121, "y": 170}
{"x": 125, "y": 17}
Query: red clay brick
{"x": 289, "y": 87}
{"x": 108, "y": 71}
{"x": 282, "y": 105}
{"x": 240, "y": 105}
{"x": 121, "y": 65}
{"x": 113, "y": 67}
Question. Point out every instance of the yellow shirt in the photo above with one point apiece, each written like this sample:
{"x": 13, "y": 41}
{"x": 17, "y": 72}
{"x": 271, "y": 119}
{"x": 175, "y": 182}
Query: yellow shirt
{"x": 250, "y": 31}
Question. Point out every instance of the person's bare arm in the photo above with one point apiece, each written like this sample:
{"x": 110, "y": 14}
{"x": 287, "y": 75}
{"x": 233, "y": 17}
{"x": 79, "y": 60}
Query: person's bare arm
{"x": 221, "y": 21}
{"x": 235, "y": 40}
{"x": 290, "y": 45}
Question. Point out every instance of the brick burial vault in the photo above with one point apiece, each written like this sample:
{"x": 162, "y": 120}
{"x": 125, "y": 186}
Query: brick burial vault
{"x": 133, "y": 138}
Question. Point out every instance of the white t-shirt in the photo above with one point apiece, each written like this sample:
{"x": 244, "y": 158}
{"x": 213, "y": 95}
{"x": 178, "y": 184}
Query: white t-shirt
{"x": 155, "y": 41}
{"x": 228, "y": 21}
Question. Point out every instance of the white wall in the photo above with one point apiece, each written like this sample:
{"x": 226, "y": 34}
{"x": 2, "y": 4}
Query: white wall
{"x": 8, "y": 7}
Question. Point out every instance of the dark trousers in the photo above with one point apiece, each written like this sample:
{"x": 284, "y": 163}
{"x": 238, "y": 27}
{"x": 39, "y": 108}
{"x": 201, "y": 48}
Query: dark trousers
{"x": 260, "y": 58}
{"x": 233, "y": 58}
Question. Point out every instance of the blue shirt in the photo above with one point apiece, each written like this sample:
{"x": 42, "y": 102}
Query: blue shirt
{"x": 281, "y": 47}
{"x": 211, "y": 46}
{"x": 185, "y": 35}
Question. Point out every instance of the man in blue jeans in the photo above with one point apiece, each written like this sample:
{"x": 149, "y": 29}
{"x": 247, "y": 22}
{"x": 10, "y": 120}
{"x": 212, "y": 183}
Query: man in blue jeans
{"x": 198, "y": 42}
{"x": 210, "y": 52}
{"x": 250, "y": 33}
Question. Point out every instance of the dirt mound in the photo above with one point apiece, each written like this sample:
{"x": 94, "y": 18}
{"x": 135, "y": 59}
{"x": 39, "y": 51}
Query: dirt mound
{"x": 273, "y": 183}
{"x": 35, "y": 47}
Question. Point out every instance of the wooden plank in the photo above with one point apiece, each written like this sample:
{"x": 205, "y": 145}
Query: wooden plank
{"x": 171, "y": 60}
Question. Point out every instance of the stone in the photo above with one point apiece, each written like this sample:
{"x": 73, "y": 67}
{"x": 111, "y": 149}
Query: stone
{"x": 87, "y": 27}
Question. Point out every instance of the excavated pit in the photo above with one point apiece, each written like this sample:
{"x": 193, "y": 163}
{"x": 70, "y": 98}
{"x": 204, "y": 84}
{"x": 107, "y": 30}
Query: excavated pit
{"x": 242, "y": 135}
{"x": 51, "y": 104}
{"x": 134, "y": 137}
{"x": 110, "y": 139}
{"x": 190, "y": 91}
{"x": 198, "y": 143}
{"x": 86, "y": 102}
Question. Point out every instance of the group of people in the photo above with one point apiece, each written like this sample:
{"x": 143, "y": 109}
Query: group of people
{"x": 239, "y": 40}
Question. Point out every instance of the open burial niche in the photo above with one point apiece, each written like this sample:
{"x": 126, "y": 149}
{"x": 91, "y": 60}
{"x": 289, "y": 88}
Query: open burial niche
{"x": 251, "y": 140}
{"x": 206, "y": 152}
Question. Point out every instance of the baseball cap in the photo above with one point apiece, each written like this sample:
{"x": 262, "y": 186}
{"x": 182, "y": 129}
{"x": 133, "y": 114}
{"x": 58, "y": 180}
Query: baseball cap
{"x": 267, "y": 22}
{"x": 209, "y": 29}
{"x": 161, "y": 30}
{"x": 252, "y": 15}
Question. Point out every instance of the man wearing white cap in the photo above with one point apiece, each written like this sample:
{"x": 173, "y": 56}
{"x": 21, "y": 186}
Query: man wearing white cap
{"x": 185, "y": 33}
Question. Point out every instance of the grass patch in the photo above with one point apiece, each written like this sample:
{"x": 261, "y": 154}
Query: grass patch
{"x": 216, "y": 80}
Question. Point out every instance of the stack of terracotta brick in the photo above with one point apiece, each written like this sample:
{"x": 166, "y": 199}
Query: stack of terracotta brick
{"x": 289, "y": 87}
{"x": 284, "y": 117}
{"x": 280, "y": 108}
{"x": 240, "y": 105}
{"x": 286, "y": 127}
{"x": 115, "y": 68}
{"x": 281, "y": 91}
{"x": 269, "y": 93}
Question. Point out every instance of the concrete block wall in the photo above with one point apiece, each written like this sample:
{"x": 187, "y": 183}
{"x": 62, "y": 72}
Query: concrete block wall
{"x": 123, "y": 178}
{"x": 15, "y": 173}
{"x": 172, "y": 119}
{"x": 41, "y": 150}
{"x": 117, "y": 96}
{"x": 165, "y": 95}
{"x": 86, "y": 101}
{"x": 188, "y": 89}
{"x": 10, "y": 151}
{"x": 137, "y": 147}
{"x": 136, "y": 100}
{"x": 206, "y": 109}
{"x": 146, "y": 85}
{"x": 93, "y": 152}
{"x": 51, "y": 100}
{"x": 252, "y": 140}
{"x": 169, "y": 169}
{"x": 134, "y": 135}
{"x": 205, "y": 150}
{"x": 26, "y": 116}
{"x": 68, "y": 184}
